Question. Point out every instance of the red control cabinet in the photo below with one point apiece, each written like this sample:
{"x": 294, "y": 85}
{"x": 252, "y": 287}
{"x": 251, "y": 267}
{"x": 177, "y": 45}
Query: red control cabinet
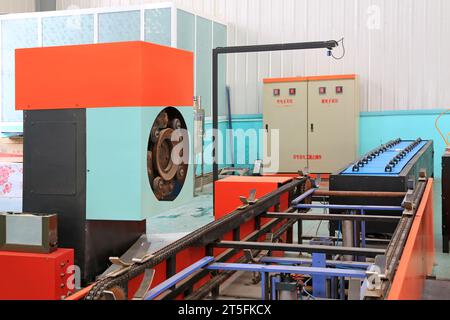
{"x": 31, "y": 276}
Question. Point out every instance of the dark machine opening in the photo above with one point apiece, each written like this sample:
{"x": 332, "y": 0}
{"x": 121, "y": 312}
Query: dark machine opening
{"x": 167, "y": 170}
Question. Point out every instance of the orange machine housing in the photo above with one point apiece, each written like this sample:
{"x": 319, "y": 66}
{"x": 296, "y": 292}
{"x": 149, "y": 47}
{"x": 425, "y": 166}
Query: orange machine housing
{"x": 229, "y": 190}
{"x": 32, "y": 276}
{"x": 418, "y": 255}
{"x": 103, "y": 75}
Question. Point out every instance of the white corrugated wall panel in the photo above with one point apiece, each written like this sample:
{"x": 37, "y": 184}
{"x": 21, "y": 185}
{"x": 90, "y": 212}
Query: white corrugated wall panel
{"x": 398, "y": 47}
{"x": 17, "y": 6}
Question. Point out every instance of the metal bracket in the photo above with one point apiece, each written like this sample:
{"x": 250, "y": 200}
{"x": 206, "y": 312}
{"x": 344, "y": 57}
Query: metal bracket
{"x": 125, "y": 266}
{"x": 301, "y": 175}
{"x": 248, "y": 201}
{"x": 143, "y": 259}
{"x": 145, "y": 285}
{"x": 109, "y": 295}
{"x": 408, "y": 201}
{"x": 423, "y": 175}
{"x": 248, "y": 253}
{"x": 118, "y": 262}
{"x": 376, "y": 274}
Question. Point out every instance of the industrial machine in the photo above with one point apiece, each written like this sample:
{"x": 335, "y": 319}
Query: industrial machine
{"x": 391, "y": 167}
{"x": 315, "y": 140}
{"x": 446, "y": 201}
{"x": 255, "y": 237}
{"x": 107, "y": 141}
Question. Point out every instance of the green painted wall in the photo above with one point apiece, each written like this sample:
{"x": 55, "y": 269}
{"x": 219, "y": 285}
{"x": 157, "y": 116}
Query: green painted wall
{"x": 376, "y": 128}
{"x": 379, "y": 127}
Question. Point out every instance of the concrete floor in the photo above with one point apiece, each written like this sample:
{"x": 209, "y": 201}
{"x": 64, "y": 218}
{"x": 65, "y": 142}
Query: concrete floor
{"x": 442, "y": 265}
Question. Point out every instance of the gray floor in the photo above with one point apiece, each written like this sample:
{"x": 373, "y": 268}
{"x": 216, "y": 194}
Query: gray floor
{"x": 442, "y": 265}
{"x": 436, "y": 290}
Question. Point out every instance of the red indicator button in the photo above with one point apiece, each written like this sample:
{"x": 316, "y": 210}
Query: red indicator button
{"x": 339, "y": 90}
{"x": 322, "y": 90}
{"x": 292, "y": 91}
{"x": 276, "y": 92}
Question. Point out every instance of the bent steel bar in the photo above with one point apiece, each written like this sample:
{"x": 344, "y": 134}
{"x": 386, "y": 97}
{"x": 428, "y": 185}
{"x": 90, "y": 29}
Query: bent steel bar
{"x": 349, "y": 207}
{"x": 329, "y": 217}
{"x": 169, "y": 283}
{"x": 329, "y": 272}
{"x": 368, "y": 252}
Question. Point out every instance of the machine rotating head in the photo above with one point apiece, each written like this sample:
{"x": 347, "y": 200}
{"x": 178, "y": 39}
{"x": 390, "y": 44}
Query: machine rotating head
{"x": 168, "y": 154}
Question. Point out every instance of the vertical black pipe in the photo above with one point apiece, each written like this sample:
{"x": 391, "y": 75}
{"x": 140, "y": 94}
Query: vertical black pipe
{"x": 215, "y": 113}
{"x": 215, "y": 116}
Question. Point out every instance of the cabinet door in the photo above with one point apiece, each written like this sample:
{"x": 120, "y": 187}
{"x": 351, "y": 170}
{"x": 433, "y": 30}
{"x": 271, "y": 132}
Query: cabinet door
{"x": 285, "y": 109}
{"x": 332, "y": 125}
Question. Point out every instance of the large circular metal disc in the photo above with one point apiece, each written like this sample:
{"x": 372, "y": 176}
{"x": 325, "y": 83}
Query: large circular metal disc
{"x": 164, "y": 164}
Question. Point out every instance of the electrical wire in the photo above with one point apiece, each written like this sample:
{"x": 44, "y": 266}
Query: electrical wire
{"x": 309, "y": 295}
{"x": 343, "y": 51}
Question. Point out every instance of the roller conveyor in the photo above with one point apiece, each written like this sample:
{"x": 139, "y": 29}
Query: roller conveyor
{"x": 388, "y": 168}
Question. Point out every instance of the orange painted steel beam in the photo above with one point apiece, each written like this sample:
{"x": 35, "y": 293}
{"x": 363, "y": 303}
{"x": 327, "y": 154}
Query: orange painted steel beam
{"x": 122, "y": 74}
{"x": 418, "y": 255}
{"x": 311, "y": 78}
{"x": 80, "y": 295}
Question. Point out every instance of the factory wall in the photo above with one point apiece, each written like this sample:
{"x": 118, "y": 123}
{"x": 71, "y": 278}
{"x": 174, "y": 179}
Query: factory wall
{"x": 11, "y": 6}
{"x": 396, "y": 46}
{"x": 376, "y": 128}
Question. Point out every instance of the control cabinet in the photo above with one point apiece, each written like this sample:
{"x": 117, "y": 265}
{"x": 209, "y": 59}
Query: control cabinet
{"x": 317, "y": 121}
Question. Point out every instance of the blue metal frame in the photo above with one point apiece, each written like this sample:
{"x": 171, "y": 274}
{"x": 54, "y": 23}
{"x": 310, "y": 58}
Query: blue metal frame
{"x": 361, "y": 209}
{"x": 275, "y": 280}
{"x": 349, "y": 207}
{"x": 319, "y": 282}
{"x": 264, "y": 269}
{"x": 320, "y": 272}
{"x": 169, "y": 283}
{"x": 297, "y": 261}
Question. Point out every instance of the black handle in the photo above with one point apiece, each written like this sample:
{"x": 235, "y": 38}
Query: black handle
{"x": 267, "y": 127}
{"x": 312, "y": 127}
